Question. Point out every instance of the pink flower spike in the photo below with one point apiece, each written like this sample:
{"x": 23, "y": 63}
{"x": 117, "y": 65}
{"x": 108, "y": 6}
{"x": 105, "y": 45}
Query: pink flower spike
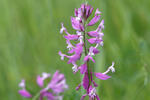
{"x": 102, "y": 76}
{"x": 40, "y": 80}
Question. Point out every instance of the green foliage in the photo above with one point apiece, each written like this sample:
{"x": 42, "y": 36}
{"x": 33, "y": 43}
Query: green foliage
{"x": 30, "y": 41}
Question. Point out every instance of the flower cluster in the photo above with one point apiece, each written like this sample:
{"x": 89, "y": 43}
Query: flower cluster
{"x": 52, "y": 91}
{"x": 80, "y": 22}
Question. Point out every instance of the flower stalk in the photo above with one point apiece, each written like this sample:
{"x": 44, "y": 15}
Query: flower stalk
{"x": 86, "y": 50}
{"x": 80, "y": 23}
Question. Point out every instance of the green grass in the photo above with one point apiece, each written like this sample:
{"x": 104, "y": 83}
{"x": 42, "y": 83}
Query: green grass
{"x": 30, "y": 41}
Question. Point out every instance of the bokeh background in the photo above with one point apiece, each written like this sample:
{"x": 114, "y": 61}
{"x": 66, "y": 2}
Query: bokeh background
{"x": 30, "y": 41}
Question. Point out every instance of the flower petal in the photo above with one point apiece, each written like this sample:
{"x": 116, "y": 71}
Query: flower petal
{"x": 46, "y": 94}
{"x": 97, "y": 12}
{"x": 83, "y": 68}
{"x": 76, "y": 24}
{"x": 92, "y": 40}
{"x": 85, "y": 81}
{"x": 71, "y": 37}
{"x": 95, "y": 51}
{"x": 24, "y": 93}
{"x": 22, "y": 84}
{"x": 86, "y": 58}
{"x": 101, "y": 26}
{"x": 97, "y": 97}
{"x": 94, "y": 20}
{"x": 102, "y": 76}
{"x": 40, "y": 80}
{"x": 93, "y": 33}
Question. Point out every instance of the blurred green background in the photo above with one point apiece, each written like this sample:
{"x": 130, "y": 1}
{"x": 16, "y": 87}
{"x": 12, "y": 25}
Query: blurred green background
{"x": 30, "y": 41}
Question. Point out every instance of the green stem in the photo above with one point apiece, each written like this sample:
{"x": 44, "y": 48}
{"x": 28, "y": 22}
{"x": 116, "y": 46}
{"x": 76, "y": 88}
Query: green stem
{"x": 86, "y": 52}
{"x": 36, "y": 96}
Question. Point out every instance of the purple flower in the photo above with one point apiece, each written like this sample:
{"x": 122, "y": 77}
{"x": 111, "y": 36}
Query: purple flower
{"x": 95, "y": 19}
{"x": 95, "y": 40}
{"x": 97, "y": 12}
{"x": 86, "y": 81}
{"x": 86, "y": 49}
{"x": 40, "y": 80}
{"x": 77, "y": 24}
{"x": 70, "y": 46}
{"x": 62, "y": 55}
{"x": 88, "y": 57}
{"x": 87, "y": 10}
{"x": 92, "y": 52}
{"x": 102, "y": 76}
{"x": 91, "y": 93}
{"x": 77, "y": 50}
{"x": 52, "y": 91}
{"x": 83, "y": 68}
{"x": 46, "y": 94}
{"x": 98, "y": 31}
{"x": 23, "y": 90}
{"x": 79, "y": 13}
{"x": 58, "y": 83}
{"x": 71, "y": 37}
